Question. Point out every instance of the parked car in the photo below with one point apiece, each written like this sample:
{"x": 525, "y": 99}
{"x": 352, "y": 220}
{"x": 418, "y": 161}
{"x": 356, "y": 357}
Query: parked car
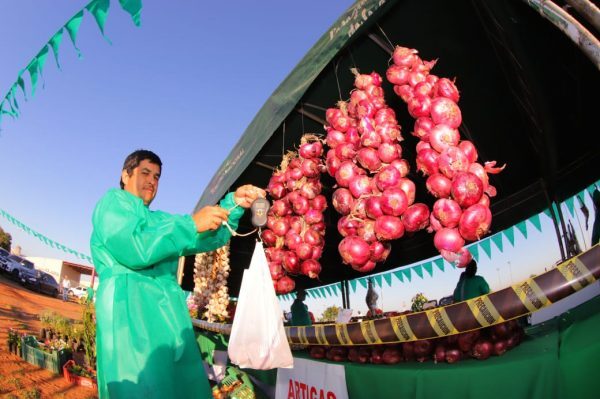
{"x": 3, "y": 258}
{"x": 15, "y": 266}
{"x": 79, "y": 292}
{"x": 43, "y": 282}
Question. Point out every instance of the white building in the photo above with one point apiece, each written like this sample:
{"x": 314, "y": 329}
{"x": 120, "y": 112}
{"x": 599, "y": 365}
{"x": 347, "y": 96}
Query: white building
{"x": 78, "y": 274}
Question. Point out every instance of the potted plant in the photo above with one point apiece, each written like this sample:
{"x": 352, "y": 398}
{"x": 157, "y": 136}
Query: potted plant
{"x": 80, "y": 375}
{"x": 14, "y": 341}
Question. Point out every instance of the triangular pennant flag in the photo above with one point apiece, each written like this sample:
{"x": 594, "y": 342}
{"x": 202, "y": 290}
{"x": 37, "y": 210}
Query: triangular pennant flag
{"x": 32, "y": 68}
{"x": 12, "y": 96}
{"x": 399, "y": 275}
{"x": 21, "y": 84}
{"x": 318, "y": 293}
{"x": 570, "y": 203}
{"x": 134, "y": 8}
{"x": 55, "y": 45}
{"x": 419, "y": 270}
{"x": 353, "y": 285}
{"x": 439, "y": 262}
{"x": 497, "y": 239}
{"x": 474, "y": 250}
{"x": 322, "y": 292}
{"x": 522, "y": 228}
{"x": 510, "y": 235}
{"x": 99, "y": 9}
{"x": 428, "y": 266}
{"x": 591, "y": 188}
{"x": 406, "y": 273}
{"x": 535, "y": 221}
{"x": 363, "y": 282}
{"x": 548, "y": 213}
{"x": 328, "y": 291}
{"x": 41, "y": 58}
{"x": 89, "y": 259}
{"x": 486, "y": 245}
{"x": 72, "y": 28}
{"x": 377, "y": 280}
{"x": 335, "y": 288}
{"x": 388, "y": 279}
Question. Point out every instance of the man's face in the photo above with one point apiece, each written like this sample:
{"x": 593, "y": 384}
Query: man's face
{"x": 143, "y": 182}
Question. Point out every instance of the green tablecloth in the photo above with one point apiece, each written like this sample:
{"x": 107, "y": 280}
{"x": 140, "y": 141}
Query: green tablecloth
{"x": 558, "y": 359}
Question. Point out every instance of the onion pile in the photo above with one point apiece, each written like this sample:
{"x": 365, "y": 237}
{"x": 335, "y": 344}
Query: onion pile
{"x": 211, "y": 270}
{"x": 295, "y": 233}
{"x": 477, "y": 344}
{"x": 374, "y": 195}
{"x": 454, "y": 176}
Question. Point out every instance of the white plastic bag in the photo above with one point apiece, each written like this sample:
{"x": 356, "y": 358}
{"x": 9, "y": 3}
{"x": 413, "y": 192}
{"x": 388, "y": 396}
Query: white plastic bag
{"x": 258, "y": 339}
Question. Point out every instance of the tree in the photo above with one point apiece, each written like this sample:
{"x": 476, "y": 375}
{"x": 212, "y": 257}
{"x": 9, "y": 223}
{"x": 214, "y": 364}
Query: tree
{"x": 330, "y": 314}
{"x": 5, "y": 240}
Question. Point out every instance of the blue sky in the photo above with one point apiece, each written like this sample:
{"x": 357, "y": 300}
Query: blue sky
{"x": 185, "y": 84}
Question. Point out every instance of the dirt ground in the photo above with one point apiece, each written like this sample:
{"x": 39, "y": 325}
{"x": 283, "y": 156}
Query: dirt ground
{"x": 19, "y": 308}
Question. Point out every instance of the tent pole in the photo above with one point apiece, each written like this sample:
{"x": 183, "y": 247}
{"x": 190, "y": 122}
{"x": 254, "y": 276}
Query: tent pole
{"x": 554, "y": 219}
{"x": 343, "y": 290}
{"x": 347, "y": 293}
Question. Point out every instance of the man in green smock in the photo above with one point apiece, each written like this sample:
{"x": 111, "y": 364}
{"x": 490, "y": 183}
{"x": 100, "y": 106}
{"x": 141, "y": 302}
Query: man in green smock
{"x": 469, "y": 285}
{"x": 145, "y": 342}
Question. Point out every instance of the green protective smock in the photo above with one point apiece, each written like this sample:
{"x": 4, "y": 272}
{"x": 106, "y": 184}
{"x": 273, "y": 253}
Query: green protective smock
{"x": 470, "y": 287}
{"x": 300, "y": 315}
{"x": 145, "y": 342}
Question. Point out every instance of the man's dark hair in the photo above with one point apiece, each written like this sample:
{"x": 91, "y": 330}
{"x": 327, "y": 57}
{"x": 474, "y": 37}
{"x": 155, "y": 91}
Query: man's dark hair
{"x": 134, "y": 159}
{"x": 471, "y": 269}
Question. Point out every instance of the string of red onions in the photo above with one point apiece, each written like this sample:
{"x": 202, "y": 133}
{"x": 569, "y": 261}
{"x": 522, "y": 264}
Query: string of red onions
{"x": 374, "y": 195}
{"x": 454, "y": 176}
{"x": 295, "y": 230}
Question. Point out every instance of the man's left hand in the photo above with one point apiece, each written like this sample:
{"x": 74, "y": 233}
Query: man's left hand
{"x": 245, "y": 195}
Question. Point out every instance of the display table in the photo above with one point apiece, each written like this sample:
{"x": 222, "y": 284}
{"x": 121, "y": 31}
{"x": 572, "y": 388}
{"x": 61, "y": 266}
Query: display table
{"x": 558, "y": 359}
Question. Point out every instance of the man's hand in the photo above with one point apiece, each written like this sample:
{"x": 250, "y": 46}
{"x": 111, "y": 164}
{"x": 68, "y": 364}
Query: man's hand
{"x": 245, "y": 195}
{"x": 210, "y": 218}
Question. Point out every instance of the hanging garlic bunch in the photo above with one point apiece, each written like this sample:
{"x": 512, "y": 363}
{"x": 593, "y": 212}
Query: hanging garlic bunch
{"x": 211, "y": 270}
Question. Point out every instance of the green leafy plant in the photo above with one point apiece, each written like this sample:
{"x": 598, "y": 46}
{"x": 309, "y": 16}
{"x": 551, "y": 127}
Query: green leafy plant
{"x": 89, "y": 334}
{"x": 417, "y": 302}
{"x": 330, "y": 314}
{"x": 33, "y": 393}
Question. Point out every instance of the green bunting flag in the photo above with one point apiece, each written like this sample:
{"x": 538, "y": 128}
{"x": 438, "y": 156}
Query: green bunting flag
{"x": 353, "y": 285}
{"x": 419, "y": 270}
{"x": 377, "y": 280}
{"x": 439, "y": 262}
{"x": 474, "y": 250}
{"x": 388, "y": 279}
{"x": 335, "y": 288}
{"x": 486, "y": 245}
{"x": 570, "y": 204}
{"x": 428, "y": 266}
{"x": 497, "y": 239}
{"x": 399, "y": 276}
{"x": 510, "y": 235}
{"x": 328, "y": 290}
{"x": 42, "y": 238}
{"x": 522, "y": 228}
{"x": 406, "y": 273}
{"x": 363, "y": 282}
{"x": 99, "y": 10}
{"x": 535, "y": 221}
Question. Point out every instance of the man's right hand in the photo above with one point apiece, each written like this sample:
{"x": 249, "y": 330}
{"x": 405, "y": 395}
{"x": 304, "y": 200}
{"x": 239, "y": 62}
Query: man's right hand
{"x": 210, "y": 218}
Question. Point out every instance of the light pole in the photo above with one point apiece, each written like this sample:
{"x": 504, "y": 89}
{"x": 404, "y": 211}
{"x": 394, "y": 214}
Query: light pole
{"x": 510, "y": 270}
{"x": 499, "y": 281}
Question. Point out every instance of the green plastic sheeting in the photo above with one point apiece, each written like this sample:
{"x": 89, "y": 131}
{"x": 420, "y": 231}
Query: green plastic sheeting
{"x": 145, "y": 342}
{"x": 356, "y": 19}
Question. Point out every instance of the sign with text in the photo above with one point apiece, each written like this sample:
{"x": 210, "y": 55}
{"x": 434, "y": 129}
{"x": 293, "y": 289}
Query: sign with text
{"x": 311, "y": 380}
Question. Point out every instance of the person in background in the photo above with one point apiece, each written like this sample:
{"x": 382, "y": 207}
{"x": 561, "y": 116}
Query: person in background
{"x": 145, "y": 342}
{"x": 300, "y": 314}
{"x": 469, "y": 284}
{"x": 66, "y": 284}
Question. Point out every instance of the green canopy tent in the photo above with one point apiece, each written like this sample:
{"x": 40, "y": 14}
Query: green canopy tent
{"x": 527, "y": 99}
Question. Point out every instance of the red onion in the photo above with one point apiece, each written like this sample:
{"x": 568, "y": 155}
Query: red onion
{"x": 380, "y": 251}
{"x": 452, "y": 161}
{"x": 405, "y": 92}
{"x": 312, "y": 238}
{"x": 409, "y": 189}
{"x": 292, "y": 239}
{"x": 442, "y": 137}
{"x": 291, "y": 263}
{"x": 311, "y": 268}
{"x": 366, "y": 231}
{"x": 333, "y": 163}
{"x": 389, "y": 228}
{"x": 446, "y": 111}
{"x": 500, "y": 347}
{"x": 280, "y": 226}
{"x": 319, "y": 203}
{"x": 360, "y": 185}
{"x": 422, "y": 128}
{"x": 354, "y": 250}
{"x": 285, "y": 285}
{"x": 387, "y": 177}
{"x": 482, "y": 349}
{"x": 404, "y": 56}
{"x": 342, "y": 200}
{"x": 469, "y": 149}
{"x": 364, "y": 268}
{"x": 369, "y": 158}
{"x": 452, "y": 355}
{"x": 466, "y": 189}
{"x": 276, "y": 270}
{"x": 448, "y": 239}
{"x": 402, "y": 166}
{"x": 387, "y": 152}
{"x": 439, "y": 185}
{"x": 346, "y": 172}
{"x": 373, "y": 207}
{"x": 268, "y": 237}
{"x": 348, "y": 226}
{"x": 475, "y": 222}
{"x": 446, "y": 88}
{"x": 416, "y": 217}
{"x": 447, "y": 211}
{"x": 394, "y": 201}
{"x": 427, "y": 161}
